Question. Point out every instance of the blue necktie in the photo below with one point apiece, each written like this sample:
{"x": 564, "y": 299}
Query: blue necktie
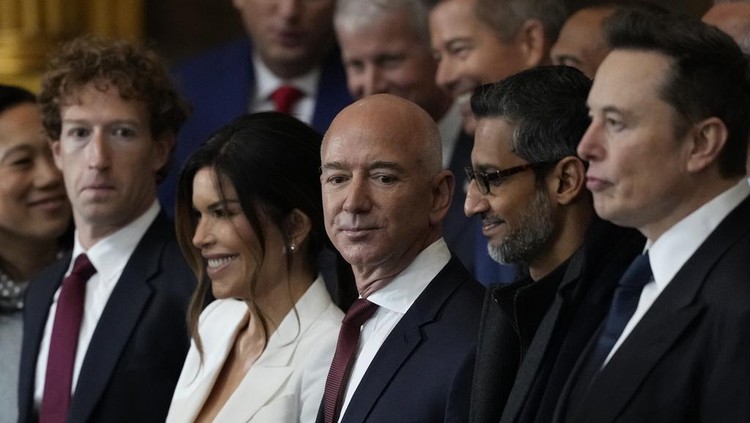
{"x": 624, "y": 303}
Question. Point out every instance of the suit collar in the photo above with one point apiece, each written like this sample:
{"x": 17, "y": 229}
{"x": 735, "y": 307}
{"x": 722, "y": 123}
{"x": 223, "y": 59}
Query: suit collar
{"x": 404, "y": 338}
{"x": 661, "y": 326}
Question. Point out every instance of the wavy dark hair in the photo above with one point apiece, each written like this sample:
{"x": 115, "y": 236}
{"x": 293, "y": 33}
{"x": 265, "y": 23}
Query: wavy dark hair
{"x": 273, "y": 162}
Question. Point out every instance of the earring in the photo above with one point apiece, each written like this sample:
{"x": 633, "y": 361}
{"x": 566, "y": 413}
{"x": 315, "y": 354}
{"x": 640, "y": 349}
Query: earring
{"x": 291, "y": 247}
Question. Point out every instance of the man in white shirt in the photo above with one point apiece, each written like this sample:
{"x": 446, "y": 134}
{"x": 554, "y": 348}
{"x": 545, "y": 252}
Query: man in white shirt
{"x": 666, "y": 150}
{"x": 112, "y": 115}
{"x": 385, "y": 195}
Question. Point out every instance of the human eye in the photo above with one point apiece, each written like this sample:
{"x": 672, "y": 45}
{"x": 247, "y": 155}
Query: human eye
{"x": 354, "y": 66}
{"x": 391, "y": 61}
{"x": 494, "y": 179}
{"x": 335, "y": 179}
{"x": 459, "y": 49}
{"x": 385, "y": 178}
{"x": 78, "y": 132}
{"x": 123, "y": 132}
{"x": 613, "y": 123}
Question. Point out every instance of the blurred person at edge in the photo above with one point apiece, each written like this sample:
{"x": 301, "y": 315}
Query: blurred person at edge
{"x": 35, "y": 223}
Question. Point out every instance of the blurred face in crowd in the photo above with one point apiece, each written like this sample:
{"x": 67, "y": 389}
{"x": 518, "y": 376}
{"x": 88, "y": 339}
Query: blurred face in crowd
{"x": 109, "y": 159}
{"x": 581, "y": 43}
{"x": 388, "y": 56}
{"x": 384, "y": 194}
{"x": 33, "y": 204}
{"x": 516, "y": 212}
{"x": 291, "y": 36}
{"x": 638, "y": 171}
{"x": 469, "y": 53}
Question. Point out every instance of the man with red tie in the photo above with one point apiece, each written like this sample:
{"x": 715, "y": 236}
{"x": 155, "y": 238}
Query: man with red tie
{"x": 406, "y": 347}
{"x": 104, "y": 327}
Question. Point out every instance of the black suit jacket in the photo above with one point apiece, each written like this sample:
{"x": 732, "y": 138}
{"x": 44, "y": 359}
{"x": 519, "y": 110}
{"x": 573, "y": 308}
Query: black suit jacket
{"x": 688, "y": 359}
{"x": 525, "y": 353}
{"x": 136, "y": 352}
{"x": 422, "y": 372}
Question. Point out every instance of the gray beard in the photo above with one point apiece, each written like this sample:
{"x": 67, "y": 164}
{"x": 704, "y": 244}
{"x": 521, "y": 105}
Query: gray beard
{"x": 522, "y": 245}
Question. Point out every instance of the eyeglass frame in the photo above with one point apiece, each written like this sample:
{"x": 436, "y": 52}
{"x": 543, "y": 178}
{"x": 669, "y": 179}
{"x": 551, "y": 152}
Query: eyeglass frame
{"x": 499, "y": 175}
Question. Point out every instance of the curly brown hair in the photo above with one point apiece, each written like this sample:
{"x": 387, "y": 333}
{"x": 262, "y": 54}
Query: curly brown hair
{"x": 137, "y": 72}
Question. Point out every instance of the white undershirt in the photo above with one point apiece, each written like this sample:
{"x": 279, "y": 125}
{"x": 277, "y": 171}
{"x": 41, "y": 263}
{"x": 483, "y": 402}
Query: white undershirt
{"x": 394, "y": 300}
{"x": 675, "y": 247}
{"x": 266, "y": 83}
{"x": 109, "y": 257}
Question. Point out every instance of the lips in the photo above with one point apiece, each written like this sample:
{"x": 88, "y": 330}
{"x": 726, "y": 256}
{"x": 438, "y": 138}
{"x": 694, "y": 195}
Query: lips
{"x": 490, "y": 223}
{"x": 595, "y": 184}
{"x": 216, "y": 263}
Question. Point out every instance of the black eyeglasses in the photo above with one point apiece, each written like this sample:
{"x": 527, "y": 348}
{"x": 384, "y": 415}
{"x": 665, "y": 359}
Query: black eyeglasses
{"x": 486, "y": 180}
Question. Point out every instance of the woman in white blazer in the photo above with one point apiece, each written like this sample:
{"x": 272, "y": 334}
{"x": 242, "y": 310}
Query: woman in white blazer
{"x": 250, "y": 222}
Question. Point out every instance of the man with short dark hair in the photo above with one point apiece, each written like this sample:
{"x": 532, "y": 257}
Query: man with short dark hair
{"x": 528, "y": 186}
{"x": 666, "y": 150}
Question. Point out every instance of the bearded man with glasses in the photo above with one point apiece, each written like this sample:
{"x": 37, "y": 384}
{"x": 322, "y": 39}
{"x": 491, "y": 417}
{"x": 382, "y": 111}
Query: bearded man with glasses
{"x": 528, "y": 186}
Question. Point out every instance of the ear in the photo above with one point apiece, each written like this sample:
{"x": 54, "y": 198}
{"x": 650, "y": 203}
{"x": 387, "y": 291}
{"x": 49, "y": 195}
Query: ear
{"x": 55, "y": 146}
{"x": 567, "y": 182}
{"x": 163, "y": 150}
{"x": 297, "y": 227}
{"x": 443, "y": 185}
{"x": 533, "y": 44}
{"x": 709, "y": 138}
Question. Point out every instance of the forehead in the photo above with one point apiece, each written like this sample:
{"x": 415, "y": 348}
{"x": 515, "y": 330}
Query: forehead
{"x": 453, "y": 18}
{"x": 361, "y": 138}
{"x": 493, "y": 142}
{"x": 582, "y": 29}
{"x": 91, "y": 102}
{"x": 629, "y": 78}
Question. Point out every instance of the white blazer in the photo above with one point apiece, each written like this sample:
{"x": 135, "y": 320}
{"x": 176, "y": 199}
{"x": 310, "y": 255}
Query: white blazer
{"x": 285, "y": 384}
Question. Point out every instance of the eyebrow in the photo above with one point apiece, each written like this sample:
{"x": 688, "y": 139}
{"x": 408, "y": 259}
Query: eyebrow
{"x": 378, "y": 164}
{"x": 18, "y": 147}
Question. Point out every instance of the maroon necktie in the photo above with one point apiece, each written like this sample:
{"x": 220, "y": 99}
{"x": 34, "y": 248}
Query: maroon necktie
{"x": 358, "y": 314}
{"x": 285, "y": 97}
{"x": 64, "y": 341}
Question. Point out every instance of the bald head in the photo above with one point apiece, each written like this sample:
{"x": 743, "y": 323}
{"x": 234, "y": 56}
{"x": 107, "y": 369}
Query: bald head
{"x": 384, "y": 192}
{"x": 734, "y": 19}
{"x": 387, "y": 118}
{"x": 581, "y": 43}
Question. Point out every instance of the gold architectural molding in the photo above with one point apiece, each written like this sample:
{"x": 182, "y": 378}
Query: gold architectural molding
{"x": 31, "y": 29}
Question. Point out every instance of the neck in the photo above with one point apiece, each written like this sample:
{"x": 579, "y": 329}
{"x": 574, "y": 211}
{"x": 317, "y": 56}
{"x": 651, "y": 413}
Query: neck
{"x": 569, "y": 234}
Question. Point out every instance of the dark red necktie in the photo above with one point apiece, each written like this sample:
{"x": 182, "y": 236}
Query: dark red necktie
{"x": 358, "y": 314}
{"x": 285, "y": 97}
{"x": 64, "y": 341}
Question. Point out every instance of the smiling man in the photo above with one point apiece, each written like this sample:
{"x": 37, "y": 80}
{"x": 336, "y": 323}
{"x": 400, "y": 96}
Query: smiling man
{"x": 385, "y": 196}
{"x": 104, "y": 328}
{"x": 528, "y": 186}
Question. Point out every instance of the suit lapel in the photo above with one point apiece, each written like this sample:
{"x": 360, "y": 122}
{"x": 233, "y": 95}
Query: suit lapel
{"x": 403, "y": 340}
{"x": 36, "y": 312}
{"x": 669, "y": 316}
{"x": 118, "y": 320}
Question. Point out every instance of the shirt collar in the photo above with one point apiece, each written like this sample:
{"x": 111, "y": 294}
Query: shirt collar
{"x": 110, "y": 254}
{"x": 266, "y": 82}
{"x": 450, "y": 127}
{"x": 675, "y": 246}
{"x": 403, "y": 290}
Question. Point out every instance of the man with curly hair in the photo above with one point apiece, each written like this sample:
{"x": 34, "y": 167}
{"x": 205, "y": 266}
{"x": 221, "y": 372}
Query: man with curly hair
{"x": 105, "y": 333}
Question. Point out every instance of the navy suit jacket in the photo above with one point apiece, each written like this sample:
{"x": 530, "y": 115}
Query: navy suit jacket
{"x": 688, "y": 359}
{"x": 218, "y": 86}
{"x": 422, "y": 372}
{"x": 136, "y": 353}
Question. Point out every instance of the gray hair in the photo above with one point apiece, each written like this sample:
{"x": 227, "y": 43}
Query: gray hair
{"x": 353, "y": 14}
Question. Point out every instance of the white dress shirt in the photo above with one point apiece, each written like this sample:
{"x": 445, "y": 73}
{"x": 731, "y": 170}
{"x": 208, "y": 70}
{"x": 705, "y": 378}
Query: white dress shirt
{"x": 266, "y": 83}
{"x": 109, "y": 257}
{"x": 393, "y": 301}
{"x": 674, "y": 248}
{"x": 450, "y": 127}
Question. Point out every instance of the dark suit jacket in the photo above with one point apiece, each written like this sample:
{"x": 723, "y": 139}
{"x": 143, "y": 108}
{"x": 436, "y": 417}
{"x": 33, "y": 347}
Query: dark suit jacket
{"x": 688, "y": 359}
{"x": 218, "y": 86}
{"x": 423, "y": 370}
{"x": 136, "y": 352}
{"x": 533, "y": 332}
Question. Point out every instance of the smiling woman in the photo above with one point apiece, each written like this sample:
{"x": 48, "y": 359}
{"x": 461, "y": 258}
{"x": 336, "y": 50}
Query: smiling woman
{"x": 250, "y": 222}
{"x": 34, "y": 218}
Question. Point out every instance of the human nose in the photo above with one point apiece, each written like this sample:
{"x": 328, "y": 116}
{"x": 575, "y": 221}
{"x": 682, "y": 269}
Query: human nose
{"x": 475, "y": 202}
{"x": 357, "y": 196}
{"x": 202, "y": 235}
{"x": 445, "y": 75}
{"x": 289, "y": 8}
{"x": 99, "y": 155}
{"x": 590, "y": 147}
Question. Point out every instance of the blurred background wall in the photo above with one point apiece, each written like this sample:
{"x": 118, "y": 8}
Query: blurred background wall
{"x": 30, "y": 29}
